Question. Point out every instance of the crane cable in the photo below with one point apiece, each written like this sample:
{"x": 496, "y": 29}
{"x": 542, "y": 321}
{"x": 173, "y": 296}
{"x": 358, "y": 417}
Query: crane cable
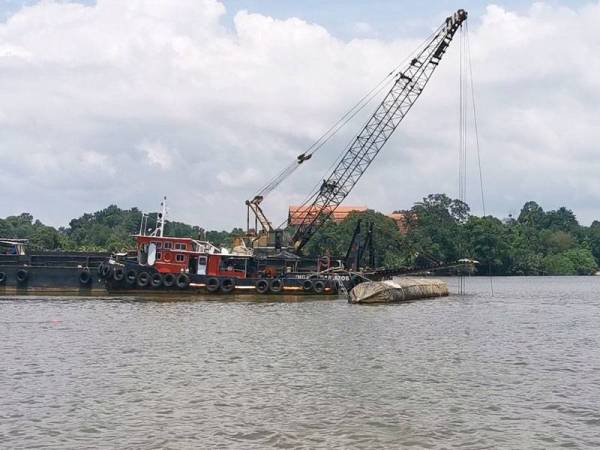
{"x": 462, "y": 143}
{"x": 337, "y": 126}
{"x": 475, "y": 125}
{"x": 316, "y": 189}
{"x": 467, "y": 84}
{"x": 324, "y": 138}
{"x": 478, "y": 147}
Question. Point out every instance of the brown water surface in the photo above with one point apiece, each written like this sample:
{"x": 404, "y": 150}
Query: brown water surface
{"x": 517, "y": 370}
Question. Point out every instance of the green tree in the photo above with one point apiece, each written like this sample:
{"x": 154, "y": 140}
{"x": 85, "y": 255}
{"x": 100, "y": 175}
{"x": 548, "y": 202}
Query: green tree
{"x": 488, "y": 243}
{"x": 557, "y": 241}
{"x": 532, "y": 215}
{"x": 577, "y": 261}
{"x": 435, "y": 231}
{"x": 583, "y": 260}
{"x": 559, "y": 264}
{"x": 562, "y": 219}
{"x": 593, "y": 239}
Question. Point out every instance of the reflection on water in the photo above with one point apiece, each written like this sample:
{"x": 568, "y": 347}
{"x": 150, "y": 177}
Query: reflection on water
{"x": 519, "y": 370}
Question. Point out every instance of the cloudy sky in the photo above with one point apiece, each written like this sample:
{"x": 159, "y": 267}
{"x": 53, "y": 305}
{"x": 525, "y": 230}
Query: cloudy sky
{"x": 113, "y": 101}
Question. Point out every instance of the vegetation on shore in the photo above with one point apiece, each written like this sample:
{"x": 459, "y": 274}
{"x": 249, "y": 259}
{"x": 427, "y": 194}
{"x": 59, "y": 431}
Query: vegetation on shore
{"x": 438, "y": 230}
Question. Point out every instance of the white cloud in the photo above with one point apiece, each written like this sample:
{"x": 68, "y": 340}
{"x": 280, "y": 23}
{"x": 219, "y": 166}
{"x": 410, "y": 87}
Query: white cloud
{"x": 247, "y": 177}
{"x": 124, "y": 102}
{"x": 156, "y": 154}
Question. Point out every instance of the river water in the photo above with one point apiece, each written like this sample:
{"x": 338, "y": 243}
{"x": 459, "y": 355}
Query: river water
{"x": 520, "y": 369}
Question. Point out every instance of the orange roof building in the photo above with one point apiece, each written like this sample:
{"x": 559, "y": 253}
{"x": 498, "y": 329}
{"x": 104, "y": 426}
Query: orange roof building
{"x": 297, "y": 214}
{"x": 401, "y": 222}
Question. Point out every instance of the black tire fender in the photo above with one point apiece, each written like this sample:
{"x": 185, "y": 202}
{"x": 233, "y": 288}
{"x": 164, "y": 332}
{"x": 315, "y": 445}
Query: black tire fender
{"x": 307, "y": 285}
{"x": 276, "y": 286}
{"x": 119, "y": 273}
{"x": 213, "y": 284}
{"x": 143, "y": 279}
{"x": 157, "y": 280}
{"x": 262, "y": 286}
{"x": 319, "y": 286}
{"x": 84, "y": 277}
{"x": 131, "y": 276}
{"x": 22, "y": 276}
{"x": 183, "y": 281}
{"x": 227, "y": 285}
{"x": 169, "y": 280}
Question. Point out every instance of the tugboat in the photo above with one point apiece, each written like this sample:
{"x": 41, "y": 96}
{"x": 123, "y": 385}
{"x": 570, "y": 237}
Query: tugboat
{"x": 175, "y": 264}
{"x": 47, "y": 272}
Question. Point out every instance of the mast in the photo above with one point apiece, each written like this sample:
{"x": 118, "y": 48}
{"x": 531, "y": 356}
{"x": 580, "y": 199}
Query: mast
{"x": 162, "y": 216}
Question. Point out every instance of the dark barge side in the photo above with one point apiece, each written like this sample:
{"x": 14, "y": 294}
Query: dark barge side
{"x": 48, "y": 272}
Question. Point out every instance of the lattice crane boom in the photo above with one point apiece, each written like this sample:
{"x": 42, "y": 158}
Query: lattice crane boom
{"x": 361, "y": 152}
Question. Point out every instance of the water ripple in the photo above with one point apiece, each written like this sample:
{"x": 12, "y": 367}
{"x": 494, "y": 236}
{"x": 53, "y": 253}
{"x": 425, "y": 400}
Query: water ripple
{"x": 519, "y": 370}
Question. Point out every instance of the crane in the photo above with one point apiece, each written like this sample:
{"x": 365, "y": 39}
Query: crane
{"x": 358, "y": 156}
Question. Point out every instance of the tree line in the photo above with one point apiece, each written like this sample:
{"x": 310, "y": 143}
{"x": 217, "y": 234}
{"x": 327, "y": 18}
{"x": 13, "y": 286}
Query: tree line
{"x": 437, "y": 230}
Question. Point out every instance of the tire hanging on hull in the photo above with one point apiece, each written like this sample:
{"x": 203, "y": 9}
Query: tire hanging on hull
{"x": 183, "y": 281}
{"x": 319, "y": 286}
{"x": 143, "y": 279}
{"x": 85, "y": 278}
{"x": 22, "y": 276}
{"x": 212, "y": 285}
{"x": 276, "y": 286}
{"x": 169, "y": 280}
{"x": 227, "y": 285}
{"x": 131, "y": 277}
{"x": 119, "y": 274}
{"x": 157, "y": 280}
{"x": 262, "y": 286}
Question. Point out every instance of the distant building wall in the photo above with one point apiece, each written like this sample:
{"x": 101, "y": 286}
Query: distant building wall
{"x": 297, "y": 214}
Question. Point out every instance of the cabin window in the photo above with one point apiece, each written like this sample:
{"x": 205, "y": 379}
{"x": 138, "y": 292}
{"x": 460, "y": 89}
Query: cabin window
{"x": 233, "y": 264}
{"x": 158, "y": 255}
{"x": 158, "y": 244}
{"x": 202, "y": 260}
{"x": 179, "y": 246}
{"x": 179, "y": 258}
{"x": 168, "y": 244}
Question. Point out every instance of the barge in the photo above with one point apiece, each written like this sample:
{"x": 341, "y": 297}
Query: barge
{"x": 48, "y": 272}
